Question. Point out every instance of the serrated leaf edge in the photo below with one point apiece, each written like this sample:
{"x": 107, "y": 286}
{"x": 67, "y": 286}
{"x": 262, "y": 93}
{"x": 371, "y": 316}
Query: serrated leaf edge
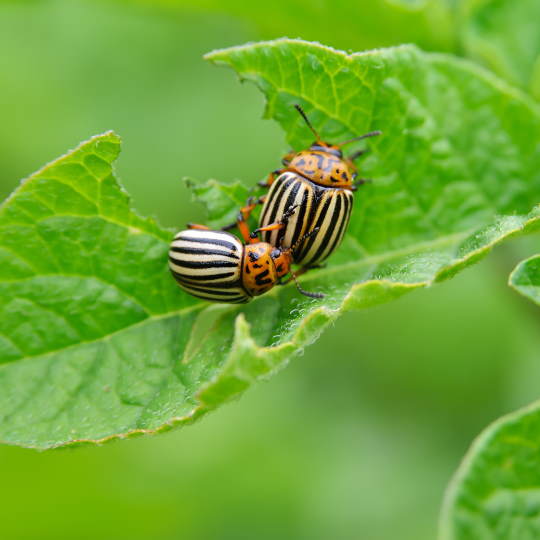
{"x": 109, "y": 134}
{"x": 466, "y": 64}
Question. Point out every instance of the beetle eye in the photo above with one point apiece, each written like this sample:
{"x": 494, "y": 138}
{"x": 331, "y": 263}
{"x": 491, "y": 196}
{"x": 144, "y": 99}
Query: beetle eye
{"x": 275, "y": 253}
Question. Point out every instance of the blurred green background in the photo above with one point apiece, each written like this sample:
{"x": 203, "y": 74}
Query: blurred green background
{"x": 355, "y": 439}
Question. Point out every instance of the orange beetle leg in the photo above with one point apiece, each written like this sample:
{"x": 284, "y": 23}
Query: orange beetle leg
{"x": 244, "y": 231}
{"x": 278, "y": 224}
{"x": 270, "y": 178}
{"x": 197, "y": 226}
{"x": 287, "y": 158}
{"x": 271, "y": 227}
{"x": 243, "y": 216}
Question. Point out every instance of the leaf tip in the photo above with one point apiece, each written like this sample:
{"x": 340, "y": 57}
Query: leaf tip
{"x": 220, "y": 56}
{"x": 524, "y": 278}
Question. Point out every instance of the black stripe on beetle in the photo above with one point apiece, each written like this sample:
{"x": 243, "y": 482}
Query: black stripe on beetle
{"x": 202, "y": 264}
{"x": 203, "y": 252}
{"x": 330, "y": 227}
{"x": 204, "y": 277}
{"x": 314, "y": 206}
{"x": 223, "y": 243}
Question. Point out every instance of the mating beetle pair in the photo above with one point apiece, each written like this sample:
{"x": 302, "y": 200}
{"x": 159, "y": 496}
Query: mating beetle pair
{"x": 303, "y": 220}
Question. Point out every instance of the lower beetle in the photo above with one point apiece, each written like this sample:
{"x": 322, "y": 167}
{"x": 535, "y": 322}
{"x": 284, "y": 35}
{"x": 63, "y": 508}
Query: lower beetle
{"x": 216, "y": 266}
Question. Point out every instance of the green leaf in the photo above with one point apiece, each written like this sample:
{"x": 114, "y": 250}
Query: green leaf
{"x": 96, "y": 339}
{"x": 495, "y": 492}
{"x": 457, "y": 167}
{"x": 526, "y": 278}
{"x": 98, "y": 342}
{"x": 504, "y": 35}
{"x": 221, "y": 201}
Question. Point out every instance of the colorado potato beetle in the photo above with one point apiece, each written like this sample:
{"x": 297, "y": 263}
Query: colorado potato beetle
{"x": 216, "y": 266}
{"x": 321, "y": 182}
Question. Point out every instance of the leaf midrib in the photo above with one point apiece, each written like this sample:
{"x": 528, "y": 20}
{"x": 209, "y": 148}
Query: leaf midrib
{"x": 150, "y": 318}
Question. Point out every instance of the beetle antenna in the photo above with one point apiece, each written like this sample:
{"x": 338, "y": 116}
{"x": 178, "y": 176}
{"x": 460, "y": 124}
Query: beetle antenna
{"x": 304, "y": 292}
{"x": 365, "y": 136}
{"x": 304, "y": 116}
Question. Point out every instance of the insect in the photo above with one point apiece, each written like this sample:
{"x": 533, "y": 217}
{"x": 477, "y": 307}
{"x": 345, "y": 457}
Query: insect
{"x": 320, "y": 182}
{"x": 216, "y": 266}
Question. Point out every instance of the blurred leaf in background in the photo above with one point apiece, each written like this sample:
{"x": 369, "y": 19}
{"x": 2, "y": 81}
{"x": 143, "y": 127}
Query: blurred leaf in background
{"x": 343, "y": 24}
{"x": 494, "y": 493}
{"x": 501, "y": 34}
{"x": 370, "y": 423}
{"x": 526, "y": 278}
{"x": 504, "y": 35}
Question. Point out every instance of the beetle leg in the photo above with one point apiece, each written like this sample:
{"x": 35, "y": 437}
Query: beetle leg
{"x": 360, "y": 182}
{"x": 270, "y": 178}
{"x": 278, "y": 224}
{"x": 303, "y": 291}
{"x": 243, "y": 217}
{"x": 294, "y": 277}
{"x": 272, "y": 227}
{"x": 302, "y": 271}
{"x": 198, "y": 227}
{"x": 287, "y": 158}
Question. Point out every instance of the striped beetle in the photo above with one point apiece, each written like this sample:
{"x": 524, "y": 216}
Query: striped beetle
{"x": 321, "y": 182}
{"x": 216, "y": 266}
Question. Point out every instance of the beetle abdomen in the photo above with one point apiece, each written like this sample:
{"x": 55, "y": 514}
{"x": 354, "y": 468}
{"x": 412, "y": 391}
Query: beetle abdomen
{"x": 287, "y": 190}
{"x": 329, "y": 209}
{"x": 208, "y": 265}
{"x": 331, "y": 217}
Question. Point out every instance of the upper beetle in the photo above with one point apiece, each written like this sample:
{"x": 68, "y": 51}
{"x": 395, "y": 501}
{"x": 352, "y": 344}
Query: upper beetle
{"x": 320, "y": 181}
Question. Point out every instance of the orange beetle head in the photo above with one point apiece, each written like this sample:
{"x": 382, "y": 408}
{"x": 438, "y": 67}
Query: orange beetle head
{"x": 263, "y": 266}
{"x": 282, "y": 261}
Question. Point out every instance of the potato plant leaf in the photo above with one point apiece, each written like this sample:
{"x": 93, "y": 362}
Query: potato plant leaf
{"x": 525, "y": 278}
{"x": 98, "y": 342}
{"x": 495, "y": 492}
